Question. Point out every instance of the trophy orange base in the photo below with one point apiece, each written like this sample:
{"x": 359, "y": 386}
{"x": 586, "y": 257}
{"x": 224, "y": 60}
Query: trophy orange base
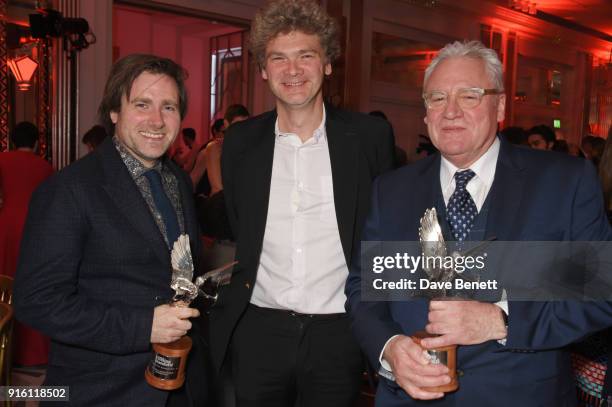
{"x": 166, "y": 370}
{"x": 446, "y": 355}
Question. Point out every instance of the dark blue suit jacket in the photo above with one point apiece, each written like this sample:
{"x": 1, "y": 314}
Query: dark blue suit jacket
{"x": 92, "y": 267}
{"x": 535, "y": 196}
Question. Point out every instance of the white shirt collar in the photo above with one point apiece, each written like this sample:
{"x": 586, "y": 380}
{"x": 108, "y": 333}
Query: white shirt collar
{"x": 479, "y": 186}
{"x": 318, "y": 136}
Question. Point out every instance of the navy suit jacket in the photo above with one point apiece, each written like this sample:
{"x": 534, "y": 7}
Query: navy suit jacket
{"x": 93, "y": 265}
{"x": 535, "y": 196}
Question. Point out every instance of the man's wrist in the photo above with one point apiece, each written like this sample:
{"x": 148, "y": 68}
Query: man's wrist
{"x": 500, "y": 327}
{"x": 383, "y": 358}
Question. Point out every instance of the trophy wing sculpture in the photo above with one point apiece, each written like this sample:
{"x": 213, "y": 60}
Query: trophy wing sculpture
{"x": 433, "y": 245}
{"x": 182, "y": 271}
{"x": 215, "y": 278}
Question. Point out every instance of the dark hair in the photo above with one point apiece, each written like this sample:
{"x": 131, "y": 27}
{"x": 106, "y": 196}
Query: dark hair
{"x": 425, "y": 145}
{"x": 285, "y": 16}
{"x": 123, "y": 74}
{"x": 217, "y": 126}
{"x": 560, "y": 146}
{"x": 514, "y": 135}
{"x": 234, "y": 111}
{"x": 378, "y": 113}
{"x": 598, "y": 144}
{"x": 94, "y": 136}
{"x": 543, "y": 130}
{"x": 24, "y": 134}
{"x": 189, "y": 133}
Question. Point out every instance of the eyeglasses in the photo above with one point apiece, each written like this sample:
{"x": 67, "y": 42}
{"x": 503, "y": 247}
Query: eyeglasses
{"x": 467, "y": 98}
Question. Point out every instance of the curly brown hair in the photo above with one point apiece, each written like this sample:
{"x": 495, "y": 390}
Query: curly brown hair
{"x": 284, "y": 16}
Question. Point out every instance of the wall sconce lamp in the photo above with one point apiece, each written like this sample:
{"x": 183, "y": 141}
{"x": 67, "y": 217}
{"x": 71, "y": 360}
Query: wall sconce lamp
{"x": 23, "y": 68}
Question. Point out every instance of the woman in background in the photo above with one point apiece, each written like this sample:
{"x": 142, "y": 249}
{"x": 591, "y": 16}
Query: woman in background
{"x": 21, "y": 171}
{"x": 591, "y": 358}
{"x": 211, "y": 208}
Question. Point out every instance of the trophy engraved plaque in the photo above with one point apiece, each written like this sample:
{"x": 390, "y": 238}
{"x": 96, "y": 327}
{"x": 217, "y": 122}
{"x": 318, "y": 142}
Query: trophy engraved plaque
{"x": 166, "y": 369}
{"x": 433, "y": 245}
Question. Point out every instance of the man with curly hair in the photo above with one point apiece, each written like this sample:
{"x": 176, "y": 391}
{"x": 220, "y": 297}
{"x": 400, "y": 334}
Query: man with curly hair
{"x": 297, "y": 182}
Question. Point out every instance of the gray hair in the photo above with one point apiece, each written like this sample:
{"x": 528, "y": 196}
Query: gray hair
{"x": 471, "y": 49}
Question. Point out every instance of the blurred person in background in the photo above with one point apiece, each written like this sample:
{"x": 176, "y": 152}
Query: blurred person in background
{"x": 560, "y": 146}
{"x": 211, "y": 208}
{"x": 593, "y": 147}
{"x": 94, "y": 137}
{"x": 208, "y": 162}
{"x": 541, "y": 137}
{"x": 574, "y": 149}
{"x": 425, "y": 147}
{"x": 515, "y": 135}
{"x": 201, "y": 185}
{"x": 21, "y": 171}
{"x": 186, "y": 150}
{"x": 591, "y": 357}
{"x": 216, "y": 130}
{"x": 400, "y": 157}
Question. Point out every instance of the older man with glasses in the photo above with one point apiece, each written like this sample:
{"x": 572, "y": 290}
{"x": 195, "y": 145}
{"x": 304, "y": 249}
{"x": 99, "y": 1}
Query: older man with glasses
{"x": 510, "y": 353}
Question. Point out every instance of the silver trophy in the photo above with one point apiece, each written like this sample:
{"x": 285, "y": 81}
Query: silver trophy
{"x": 182, "y": 273}
{"x": 166, "y": 369}
{"x": 433, "y": 245}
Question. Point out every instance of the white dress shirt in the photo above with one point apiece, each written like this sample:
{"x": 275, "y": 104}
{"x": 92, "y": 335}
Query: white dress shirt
{"x": 302, "y": 266}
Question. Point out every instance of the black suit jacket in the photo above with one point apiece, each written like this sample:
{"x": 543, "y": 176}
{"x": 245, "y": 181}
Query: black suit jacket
{"x": 360, "y": 148}
{"x": 93, "y": 266}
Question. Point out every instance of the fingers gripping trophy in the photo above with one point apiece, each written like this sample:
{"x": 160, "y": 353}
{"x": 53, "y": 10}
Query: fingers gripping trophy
{"x": 166, "y": 369}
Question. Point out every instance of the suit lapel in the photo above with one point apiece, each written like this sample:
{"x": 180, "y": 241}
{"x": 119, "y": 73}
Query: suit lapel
{"x": 258, "y": 164}
{"x": 429, "y": 194}
{"x": 506, "y": 195}
{"x": 129, "y": 201}
{"x": 343, "y": 146}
